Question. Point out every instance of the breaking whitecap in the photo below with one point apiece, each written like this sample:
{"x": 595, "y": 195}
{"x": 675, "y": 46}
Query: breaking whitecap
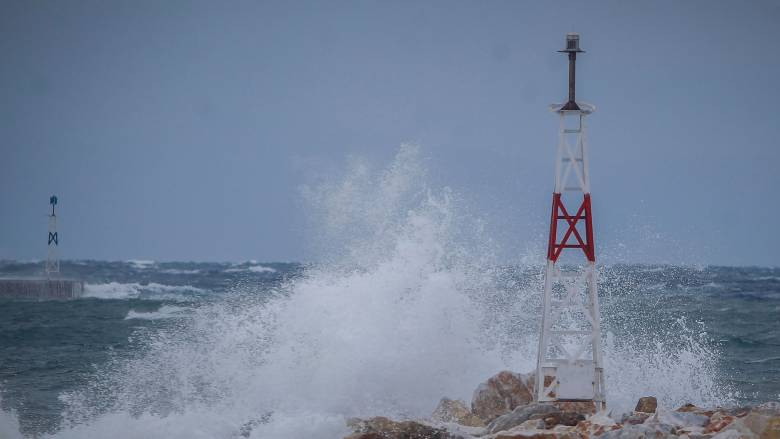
{"x": 410, "y": 305}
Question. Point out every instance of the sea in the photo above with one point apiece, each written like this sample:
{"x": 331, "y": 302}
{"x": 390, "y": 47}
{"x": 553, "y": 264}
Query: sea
{"x": 411, "y": 300}
{"x": 151, "y": 341}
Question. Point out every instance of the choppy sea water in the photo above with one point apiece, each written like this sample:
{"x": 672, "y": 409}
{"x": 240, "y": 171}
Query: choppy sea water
{"x": 408, "y": 304}
{"x": 55, "y": 352}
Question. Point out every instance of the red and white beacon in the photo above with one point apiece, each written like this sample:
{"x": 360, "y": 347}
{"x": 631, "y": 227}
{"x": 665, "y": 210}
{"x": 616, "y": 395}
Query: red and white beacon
{"x": 569, "y": 366}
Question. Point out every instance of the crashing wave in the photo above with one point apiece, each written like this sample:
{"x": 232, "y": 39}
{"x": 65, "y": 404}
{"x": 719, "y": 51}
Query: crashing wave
{"x": 408, "y": 306}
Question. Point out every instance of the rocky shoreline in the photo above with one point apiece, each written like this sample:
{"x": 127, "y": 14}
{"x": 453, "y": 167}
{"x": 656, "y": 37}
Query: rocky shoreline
{"x": 503, "y": 408}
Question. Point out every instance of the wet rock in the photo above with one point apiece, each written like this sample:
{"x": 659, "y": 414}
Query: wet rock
{"x": 532, "y": 424}
{"x": 679, "y": 419}
{"x": 582, "y": 407}
{"x": 501, "y": 394}
{"x": 646, "y": 404}
{"x": 635, "y": 418}
{"x": 602, "y": 418}
{"x": 736, "y": 430}
{"x": 763, "y": 422}
{"x": 768, "y": 408}
{"x": 733, "y": 434}
{"x": 560, "y": 418}
{"x": 737, "y": 412}
{"x": 641, "y": 431}
{"x": 772, "y": 429}
{"x": 519, "y": 415}
{"x": 596, "y": 425}
{"x": 559, "y": 432}
{"x": 457, "y": 431}
{"x": 692, "y": 433}
{"x": 690, "y": 408}
{"x": 718, "y": 421}
{"x": 450, "y": 410}
{"x": 364, "y": 436}
{"x": 384, "y": 428}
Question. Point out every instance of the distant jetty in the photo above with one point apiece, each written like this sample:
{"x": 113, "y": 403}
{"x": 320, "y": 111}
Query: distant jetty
{"x": 51, "y": 286}
{"x": 41, "y": 288}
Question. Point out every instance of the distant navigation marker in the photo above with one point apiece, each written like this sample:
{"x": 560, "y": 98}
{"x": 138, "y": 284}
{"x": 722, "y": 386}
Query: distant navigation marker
{"x": 53, "y": 286}
{"x": 52, "y": 259}
{"x": 569, "y": 366}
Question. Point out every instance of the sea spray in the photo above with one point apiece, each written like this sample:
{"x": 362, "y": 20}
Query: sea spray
{"x": 9, "y": 423}
{"x": 410, "y": 306}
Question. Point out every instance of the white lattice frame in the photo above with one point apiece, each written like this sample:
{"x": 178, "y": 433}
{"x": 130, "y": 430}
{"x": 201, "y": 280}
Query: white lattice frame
{"x": 52, "y": 257}
{"x": 571, "y": 163}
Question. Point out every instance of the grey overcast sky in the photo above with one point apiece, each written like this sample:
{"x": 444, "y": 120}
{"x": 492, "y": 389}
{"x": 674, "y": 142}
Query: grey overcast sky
{"x": 177, "y": 130}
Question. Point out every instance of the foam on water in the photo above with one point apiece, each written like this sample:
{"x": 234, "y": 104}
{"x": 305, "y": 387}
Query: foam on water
{"x": 178, "y": 271}
{"x": 251, "y": 268}
{"x": 409, "y": 308}
{"x": 165, "y": 312}
{"x": 141, "y": 264}
{"x": 117, "y": 290}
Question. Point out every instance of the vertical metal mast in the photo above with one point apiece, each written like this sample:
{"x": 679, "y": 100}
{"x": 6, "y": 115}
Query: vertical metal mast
{"x": 52, "y": 258}
{"x": 569, "y": 366}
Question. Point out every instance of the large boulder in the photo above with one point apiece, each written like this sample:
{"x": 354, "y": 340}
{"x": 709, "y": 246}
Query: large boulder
{"x": 679, "y": 419}
{"x": 501, "y": 394}
{"x": 521, "y": 414}
{"x": 763, "y": 422}
{"x": 559, "y": 432}
{"x": 718, "y": 421}
{"x": 641, "y": 431}
{"x": 733, "y": 434}
{"x": 569, "y": 419}
{"x": 582, "y": 407}
{"x": 450, "y": 410}
{"x": 736, "y": 430}
{"x": 635, "y": 418}
{"x": 384, "y": 428}
{"x": 646, "y": 404}
{"x": 596, "y": 425}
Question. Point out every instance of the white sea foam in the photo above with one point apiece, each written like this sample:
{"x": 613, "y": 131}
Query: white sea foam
{"x": 179, "y": 271}
{"x": 117, "y": 290}
{"x": 261, "y": 269}
{"x": 410, "y": 310}
{"x": 251, "y": 268}
{"x": 165, "y": 312}
{"x": 763, "y": 360}
{"x": 112, "y": 290}
{"x": 141, "y": 264}
{"x": 170, "y": 288}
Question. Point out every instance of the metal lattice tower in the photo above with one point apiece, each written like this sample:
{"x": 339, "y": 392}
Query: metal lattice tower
{"x": 569, "y": 366}
{"x": 52, "y": 258}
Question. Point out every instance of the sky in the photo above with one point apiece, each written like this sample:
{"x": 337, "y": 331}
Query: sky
{"x": 184, "y": 130}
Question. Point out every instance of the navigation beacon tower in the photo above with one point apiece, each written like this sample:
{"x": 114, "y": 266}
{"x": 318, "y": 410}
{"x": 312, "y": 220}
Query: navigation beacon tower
{"x": 569, "y": 366}
{"x": 52, "y": 258}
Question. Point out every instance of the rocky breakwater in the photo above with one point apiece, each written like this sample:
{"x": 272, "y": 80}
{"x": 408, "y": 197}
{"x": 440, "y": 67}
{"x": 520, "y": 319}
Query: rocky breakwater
{"x": 503, "y": 408}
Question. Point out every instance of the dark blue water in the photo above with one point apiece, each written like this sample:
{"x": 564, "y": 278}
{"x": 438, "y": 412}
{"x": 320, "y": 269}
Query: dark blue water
{"x": 49, "y": 348}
